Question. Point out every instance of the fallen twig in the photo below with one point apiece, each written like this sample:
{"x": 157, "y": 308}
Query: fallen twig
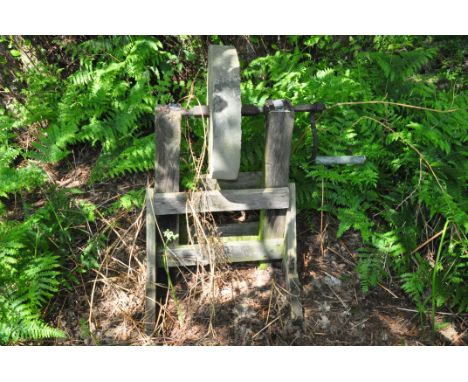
{"x": 267, "y": 326}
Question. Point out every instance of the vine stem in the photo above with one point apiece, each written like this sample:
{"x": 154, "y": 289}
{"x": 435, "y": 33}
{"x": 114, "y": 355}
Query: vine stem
{"x": 392, "y": 104}
{"x": 434, "y": 274}
{"x": 321, "y": 223}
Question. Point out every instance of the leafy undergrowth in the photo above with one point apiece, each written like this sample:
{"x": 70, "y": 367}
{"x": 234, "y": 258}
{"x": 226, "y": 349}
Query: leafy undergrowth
{"x": 77, "y": 149}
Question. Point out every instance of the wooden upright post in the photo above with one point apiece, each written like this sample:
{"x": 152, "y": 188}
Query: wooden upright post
{"x": 150, "y": 301}
{"x": 167, "y": 132}
{"x": 282, "y": 223}
{"x": 279, "y": 127}
{"x": 166, "y": 177}
{"x": 290, "y": 258}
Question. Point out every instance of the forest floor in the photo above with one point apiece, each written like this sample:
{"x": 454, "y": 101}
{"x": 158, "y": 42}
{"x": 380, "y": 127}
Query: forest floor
{"x": 246, "y": 304}
{"x": 241, "y": 304}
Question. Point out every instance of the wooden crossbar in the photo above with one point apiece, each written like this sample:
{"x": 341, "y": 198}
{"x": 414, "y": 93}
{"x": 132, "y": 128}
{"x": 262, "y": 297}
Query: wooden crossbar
{"x": 234, "y": 251}
{"x": 173, "y": 203}
{"x": 249, "y": 228}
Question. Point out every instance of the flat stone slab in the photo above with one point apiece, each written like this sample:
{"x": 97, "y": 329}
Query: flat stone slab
{"x": 224, "y": 101}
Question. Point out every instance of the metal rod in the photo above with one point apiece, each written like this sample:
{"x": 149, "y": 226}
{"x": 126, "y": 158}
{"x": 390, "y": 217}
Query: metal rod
{"x": 345, "y": 159}
{"x": 314, "y": 137}
{"x": 252, "y": 110}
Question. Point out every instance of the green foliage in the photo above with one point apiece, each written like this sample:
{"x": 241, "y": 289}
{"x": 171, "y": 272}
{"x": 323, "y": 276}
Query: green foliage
{"x": 130, "y": 200}
{"x": 134, "y": 198}
{"x": 108, "y": 102}
{"x": 137, "y": 157}
{"x": 34, "y": 254}
{"x": 98, "y": 95}
{"x": 416, "y": 170}
{"x": 415, "y": 283}
{"x": 90, "y": 255}
{"x": 28, "y": 279}
{"x": 14, "y": 179}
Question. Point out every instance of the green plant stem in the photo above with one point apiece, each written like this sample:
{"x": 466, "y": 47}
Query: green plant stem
{"x": 434, "y": 275}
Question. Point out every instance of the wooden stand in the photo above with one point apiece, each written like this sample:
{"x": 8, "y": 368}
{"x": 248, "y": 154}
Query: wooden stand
{"x": 276, "y": 232}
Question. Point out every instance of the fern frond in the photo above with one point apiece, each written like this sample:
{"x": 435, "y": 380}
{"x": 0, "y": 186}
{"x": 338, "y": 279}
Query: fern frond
{"x": 138, "y": 156}
{"x": 18, "y": 323}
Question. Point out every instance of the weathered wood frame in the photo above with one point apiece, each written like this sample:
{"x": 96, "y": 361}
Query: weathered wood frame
{"x": 276, "y": 239}
{"x": 172, "y": 203}
{"x": 166, "y": 179}
{"x": 282, "y": 223}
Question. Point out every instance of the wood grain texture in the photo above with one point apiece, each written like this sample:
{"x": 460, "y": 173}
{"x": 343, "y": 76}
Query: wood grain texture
{"x": 167, "y": 141}
{"x": 244, "y": 180}
{"x": 218, "y": 201}
{"x": 249, "y": 228}
{"x": 235, "y": 251}
{"x": 239, "y": 229}
{"x": 290, "y": 258}
{"x": 150, "y": 301}
{"x": 279, "y": 128}
{"x": 166, "y": 179}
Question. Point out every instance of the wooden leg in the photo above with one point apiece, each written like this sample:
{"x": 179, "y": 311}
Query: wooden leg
{"x": 167, "y": 135}
{"x": 282, "y": 223}
{"x": 290, "y": 258}
{"x": 150, "y": 301}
